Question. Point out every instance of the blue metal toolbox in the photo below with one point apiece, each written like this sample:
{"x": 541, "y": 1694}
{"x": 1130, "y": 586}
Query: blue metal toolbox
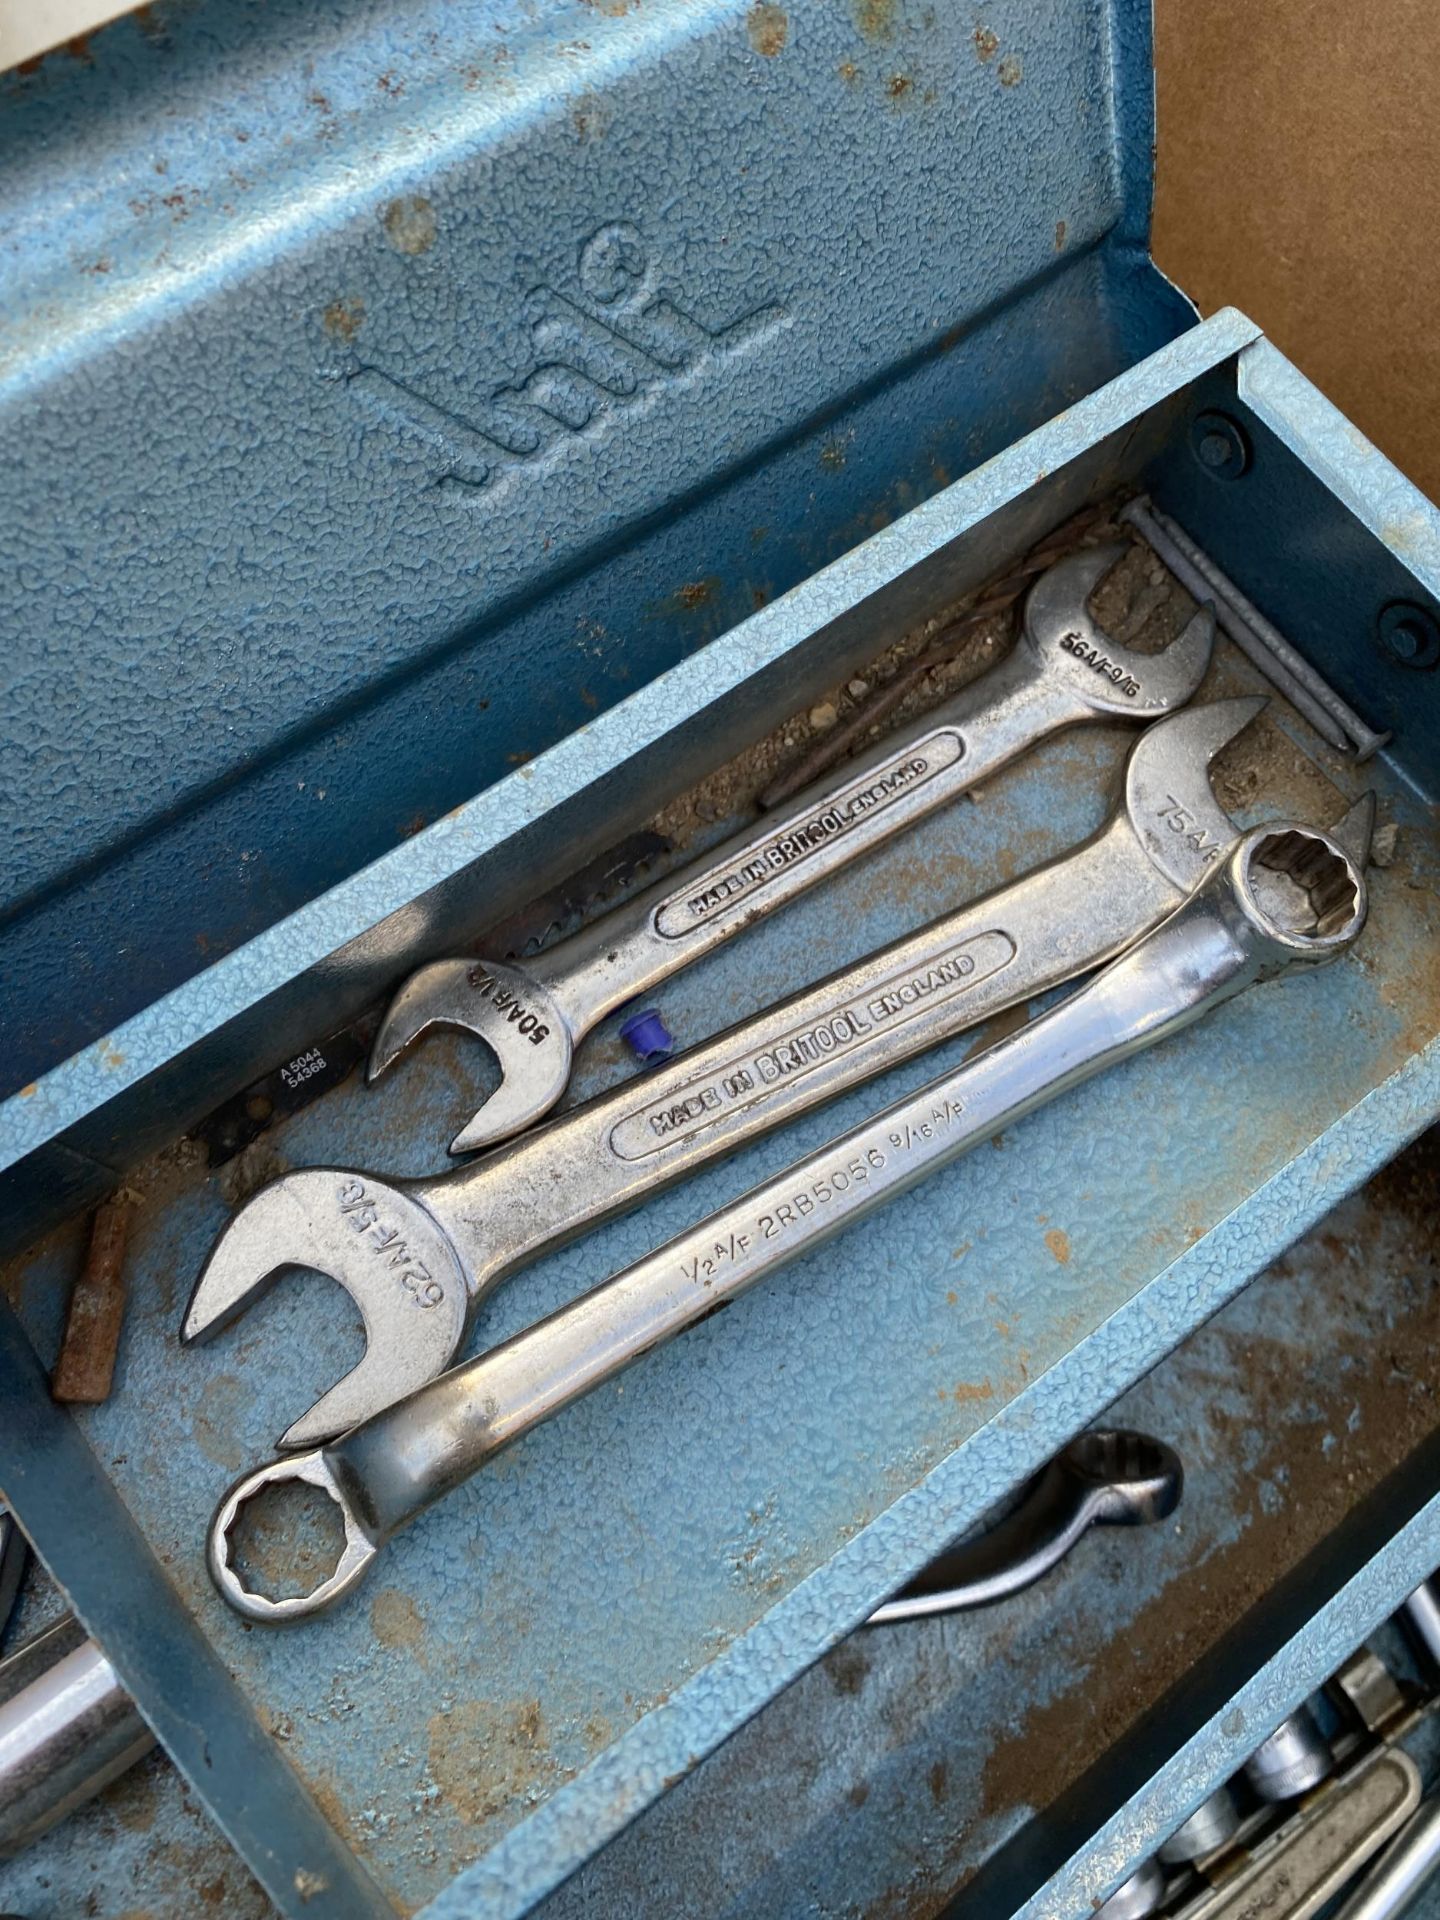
{"x": 438, "y": 437}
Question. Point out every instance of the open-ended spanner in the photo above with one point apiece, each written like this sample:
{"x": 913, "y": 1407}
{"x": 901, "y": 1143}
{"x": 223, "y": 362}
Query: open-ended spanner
{"x": 1109, "y": 1477}
{"x": 415, "y": 1254}
{"x": 1284, "y": 896}
{"x": 1063, "y": 671}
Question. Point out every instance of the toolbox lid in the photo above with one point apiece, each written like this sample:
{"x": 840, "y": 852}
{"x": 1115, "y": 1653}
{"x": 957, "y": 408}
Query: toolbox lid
{"x": 339, "y": 339}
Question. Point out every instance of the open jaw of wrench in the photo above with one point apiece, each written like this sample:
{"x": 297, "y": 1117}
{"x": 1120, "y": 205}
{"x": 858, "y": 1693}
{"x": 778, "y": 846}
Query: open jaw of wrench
{"x": 1063, "y": 672}
{"x": 1284, "y": 896}
{"x": 415, "y": 1255}
{"x": 1111, "y": 1477}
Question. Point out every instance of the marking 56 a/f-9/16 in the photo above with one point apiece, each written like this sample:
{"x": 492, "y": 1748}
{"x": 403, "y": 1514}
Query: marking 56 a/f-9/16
{"x": 827, "y": 1187}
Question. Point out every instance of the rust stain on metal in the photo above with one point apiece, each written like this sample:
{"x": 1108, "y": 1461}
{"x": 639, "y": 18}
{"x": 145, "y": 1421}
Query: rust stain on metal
{"x": 1058, "y": 1241}
{"x": 966, "y": 1392}
{"x": 987, "y": 44}
{"x": 590, "y": 117}
{"x": 695, "y": 593}
{"x": 77, "y": 48}
{"x": 86, "y": 1366}
{"x": 875, "y": 18}
{"x": 217, "y": 1422}
{"x": 327, "y": 1797}
{"x": 409, "y": 224}
{"x": 395, "y": 1619}
{"x": 768, "y": 28}
{"x": 847, "y": 1668}
{"x": 1011, "y": 70}
{"x": 1060, "y": 232}
{"x": 898, "y": 85}
{"x": 343, "y": 319}
{"x": 135, "y": 1815}
{"x": 485, "y": 1756}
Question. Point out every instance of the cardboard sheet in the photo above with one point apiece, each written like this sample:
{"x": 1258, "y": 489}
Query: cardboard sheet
{"x": 1299, "y": 162}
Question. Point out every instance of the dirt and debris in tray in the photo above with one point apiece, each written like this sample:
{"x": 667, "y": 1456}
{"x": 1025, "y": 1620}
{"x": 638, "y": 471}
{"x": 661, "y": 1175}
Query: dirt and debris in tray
{"x": 1263, "y": 762}
{"x": 486, "y": 1755}
{"x": 934, "y": 660}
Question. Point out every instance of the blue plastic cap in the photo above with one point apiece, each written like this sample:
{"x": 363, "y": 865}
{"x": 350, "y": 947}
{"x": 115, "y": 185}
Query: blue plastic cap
{"x": 647, "y": 1035}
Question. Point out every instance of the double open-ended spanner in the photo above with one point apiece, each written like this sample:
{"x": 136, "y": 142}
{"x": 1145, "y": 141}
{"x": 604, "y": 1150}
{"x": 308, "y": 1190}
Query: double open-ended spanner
{"x": 415, "y": 1254}
{"x": 1284, "y": 896}
{"x": 1063, "y": 671}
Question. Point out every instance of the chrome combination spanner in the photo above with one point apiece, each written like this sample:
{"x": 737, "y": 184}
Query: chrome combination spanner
{"x": 1062, "y": 672}
{"x": 415, "y": 1255}
{"x": 1284, "y": 896}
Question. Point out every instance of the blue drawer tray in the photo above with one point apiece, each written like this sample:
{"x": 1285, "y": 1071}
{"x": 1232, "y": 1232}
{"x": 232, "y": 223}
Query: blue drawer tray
{"x": 551, "y": 1648}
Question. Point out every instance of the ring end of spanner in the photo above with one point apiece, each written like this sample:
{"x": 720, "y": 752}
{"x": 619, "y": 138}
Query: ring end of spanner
{"x": 358, "y": 1551}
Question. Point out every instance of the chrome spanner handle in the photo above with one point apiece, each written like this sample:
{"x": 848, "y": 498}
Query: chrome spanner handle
{"x": 1109, "y": 1477}
{"x": 1062, "y": 672}
{"x": 1284, "y": 896}
{"x": 416, "y": 1255}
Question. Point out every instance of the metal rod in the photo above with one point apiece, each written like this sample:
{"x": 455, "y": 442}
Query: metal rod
{"x": 1402, "y": 1873}
{"x": 1139, "y": 515}
{"x": 1366, "y": 740}
{"x": 1423, "y": 1612}
{"x": 69, "y": 1730}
